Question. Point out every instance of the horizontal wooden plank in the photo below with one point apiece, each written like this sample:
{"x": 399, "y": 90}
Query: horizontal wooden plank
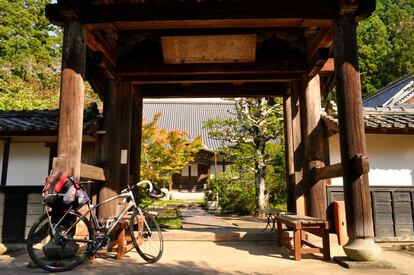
{"x": 213, "y": 89}
{"x": 298, "y": 65}
{"x": 382, "y": 196}
{"x": 327, "y": 172}
{"x": 35, "y": 198}
{"x": 394, "y": 239}
{"x": 401, "y": 218}
{"x": 128, "y": 15}
{"x": 403, "y": 208}
{"x": 383, "y": 208}
{"x": 34, "y": 209}
{"x": 404, "y": 232}
{"x": 384, "y": 218}
{"x": 92, "y": 172}
{"x": 384, "y": 231}
{"x": 402, "y": 196}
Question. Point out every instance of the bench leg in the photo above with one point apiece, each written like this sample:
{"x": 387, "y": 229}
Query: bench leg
{"x": 297, "y": 244}
{"x": 120, "y": 248}
{"x": 273, "y": 222}
{"x": 279, "y": 234}
{"x": 326, "y": 245}
{"x": 268, "y": 221}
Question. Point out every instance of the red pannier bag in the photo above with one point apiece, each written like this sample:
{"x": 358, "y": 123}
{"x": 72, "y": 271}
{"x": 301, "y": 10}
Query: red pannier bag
{"x": 59, "y": 189}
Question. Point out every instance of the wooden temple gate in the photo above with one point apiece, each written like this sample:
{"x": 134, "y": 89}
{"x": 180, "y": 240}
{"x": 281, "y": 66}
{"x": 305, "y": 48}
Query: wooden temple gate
{"x": 295, "y": 49}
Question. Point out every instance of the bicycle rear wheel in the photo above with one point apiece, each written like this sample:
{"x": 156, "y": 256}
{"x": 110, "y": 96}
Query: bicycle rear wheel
{"x": 147, "y": 240}
{"x": 60, "y": 253}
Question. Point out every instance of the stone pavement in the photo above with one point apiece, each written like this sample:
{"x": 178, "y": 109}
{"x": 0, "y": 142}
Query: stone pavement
{"x": 197, "y": 257}
{"x": 201, "y": 255}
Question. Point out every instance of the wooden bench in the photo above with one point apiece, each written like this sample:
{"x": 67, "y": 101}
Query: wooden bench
{"x": 300, "y": 225}
{"x": 271, "y": 215}
{"x": 121, "y": 241}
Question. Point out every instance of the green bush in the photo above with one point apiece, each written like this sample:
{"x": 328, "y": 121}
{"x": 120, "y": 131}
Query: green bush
{"x": 236, "y": 191}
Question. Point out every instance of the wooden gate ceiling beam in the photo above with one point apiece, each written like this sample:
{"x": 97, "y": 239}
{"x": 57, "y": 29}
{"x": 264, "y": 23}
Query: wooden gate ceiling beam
{"x": 208, "y": 14}
{"x": 278, "y": 69}
{"x": 214, "y": 90}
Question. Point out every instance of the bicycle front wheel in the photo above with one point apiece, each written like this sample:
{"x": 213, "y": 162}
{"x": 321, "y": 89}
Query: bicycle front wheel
{"x": 61, "y": 252}
{"x": 146, "y": 236}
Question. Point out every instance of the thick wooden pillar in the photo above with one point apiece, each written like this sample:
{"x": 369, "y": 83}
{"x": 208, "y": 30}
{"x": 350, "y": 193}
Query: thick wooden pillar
{"x": 289, "y": 154}
{"x": 313, "y": 139}
{"x": 136, "y": 136}
{"x": 297, "y": 147}
{"x": 117, "y": 122}
{"x": 351, "y": 129}
{"x": 72, "y": 93}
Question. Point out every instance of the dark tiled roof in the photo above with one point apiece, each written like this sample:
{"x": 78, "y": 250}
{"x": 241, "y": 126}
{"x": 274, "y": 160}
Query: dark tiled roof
{"x": 394, "y": 94}
{"x": 379, "y": 119}
{"x": 42, "y": 121}
{"x": 188, "y": 116}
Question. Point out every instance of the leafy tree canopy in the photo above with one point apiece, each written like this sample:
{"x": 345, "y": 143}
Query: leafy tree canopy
{"x": 386, "y": 44}
{"x": 257, "y": 122}
{"x": 30, "y": 57}
{"x": 165, "y": 152}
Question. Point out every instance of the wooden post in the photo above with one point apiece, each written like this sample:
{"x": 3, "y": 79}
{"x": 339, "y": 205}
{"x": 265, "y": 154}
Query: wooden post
{"x": 297, "y": 148}
{"x": 136, "y": 136}
{"x": 351, "y": 132}
{"x": 72, "y": 93}
{"x": 117, "y": 122}
{"x": 289, "y": 157}
{"x": 313, "y": 139}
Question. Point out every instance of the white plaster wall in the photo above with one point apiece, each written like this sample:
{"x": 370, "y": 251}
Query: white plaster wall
{"x": 391, "y": 159}
{"x": 28, "y": 164}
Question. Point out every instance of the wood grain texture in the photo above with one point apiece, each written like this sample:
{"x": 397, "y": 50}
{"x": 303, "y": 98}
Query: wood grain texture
{"x": 289, "y": 154}
{"x": 297, "y": 147}
{"x": 72, "y": 93}
{"x": 117, "y": 115}
{"x": 351, "y": 127}
{"x": 313, "y": 137}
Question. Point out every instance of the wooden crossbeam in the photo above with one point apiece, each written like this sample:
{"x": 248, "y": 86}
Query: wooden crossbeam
{"x": 214, "y": 90}
{"x": 97, "y": 42}
{"x": 318, "y": 61}
{"x": 360, "y": 162}
{"x": 86, "y": 171}
{"x": 323, "y": 39}
{"x": 327, "y": 172}
{"x": 275, "y": 67}
{"x": 92, "y": 172}
{"x": 130, "y": 15}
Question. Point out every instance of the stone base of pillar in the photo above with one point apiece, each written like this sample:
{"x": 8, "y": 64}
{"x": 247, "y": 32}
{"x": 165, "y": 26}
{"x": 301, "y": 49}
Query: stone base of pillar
{"x": 362, "y": 249}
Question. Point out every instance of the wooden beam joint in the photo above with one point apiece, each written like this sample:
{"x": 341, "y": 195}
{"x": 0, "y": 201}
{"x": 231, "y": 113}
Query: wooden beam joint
{"x": 360, "y": 162}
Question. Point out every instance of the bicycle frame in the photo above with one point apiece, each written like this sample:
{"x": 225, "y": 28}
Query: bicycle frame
{"x": 131, "y": 204}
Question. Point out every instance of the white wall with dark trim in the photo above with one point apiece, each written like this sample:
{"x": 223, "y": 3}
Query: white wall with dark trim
{"x": 28, "y": 164}
{"x": 391, "y": 159}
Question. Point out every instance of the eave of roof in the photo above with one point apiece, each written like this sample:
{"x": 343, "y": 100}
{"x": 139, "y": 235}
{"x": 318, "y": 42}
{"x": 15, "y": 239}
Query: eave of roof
{"x": 391, "y": 120}
{"x": 43, "y": 122}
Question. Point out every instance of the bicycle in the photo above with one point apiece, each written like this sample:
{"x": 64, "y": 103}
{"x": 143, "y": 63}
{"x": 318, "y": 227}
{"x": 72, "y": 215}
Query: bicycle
{"x": 64, "y": 242}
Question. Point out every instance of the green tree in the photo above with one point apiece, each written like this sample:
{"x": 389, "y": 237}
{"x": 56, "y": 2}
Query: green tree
{"x": 386, "y": 44}
{"x": 164, "y": 152}
{"x": 30, "y": 57}
{"x": 257, "y": 122}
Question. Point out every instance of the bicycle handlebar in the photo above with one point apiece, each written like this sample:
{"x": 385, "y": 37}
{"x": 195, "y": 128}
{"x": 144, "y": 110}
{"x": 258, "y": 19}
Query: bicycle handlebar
{"x": 151, "y": 188}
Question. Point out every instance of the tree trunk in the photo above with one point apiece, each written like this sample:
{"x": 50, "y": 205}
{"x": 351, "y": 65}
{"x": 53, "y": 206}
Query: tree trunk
{"x": 262, "y": 196}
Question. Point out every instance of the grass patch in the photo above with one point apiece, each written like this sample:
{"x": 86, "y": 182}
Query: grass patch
{"x": 170, "y": 222}
{"x": 171, "y": 203}
{"x": 280, "y": 206}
